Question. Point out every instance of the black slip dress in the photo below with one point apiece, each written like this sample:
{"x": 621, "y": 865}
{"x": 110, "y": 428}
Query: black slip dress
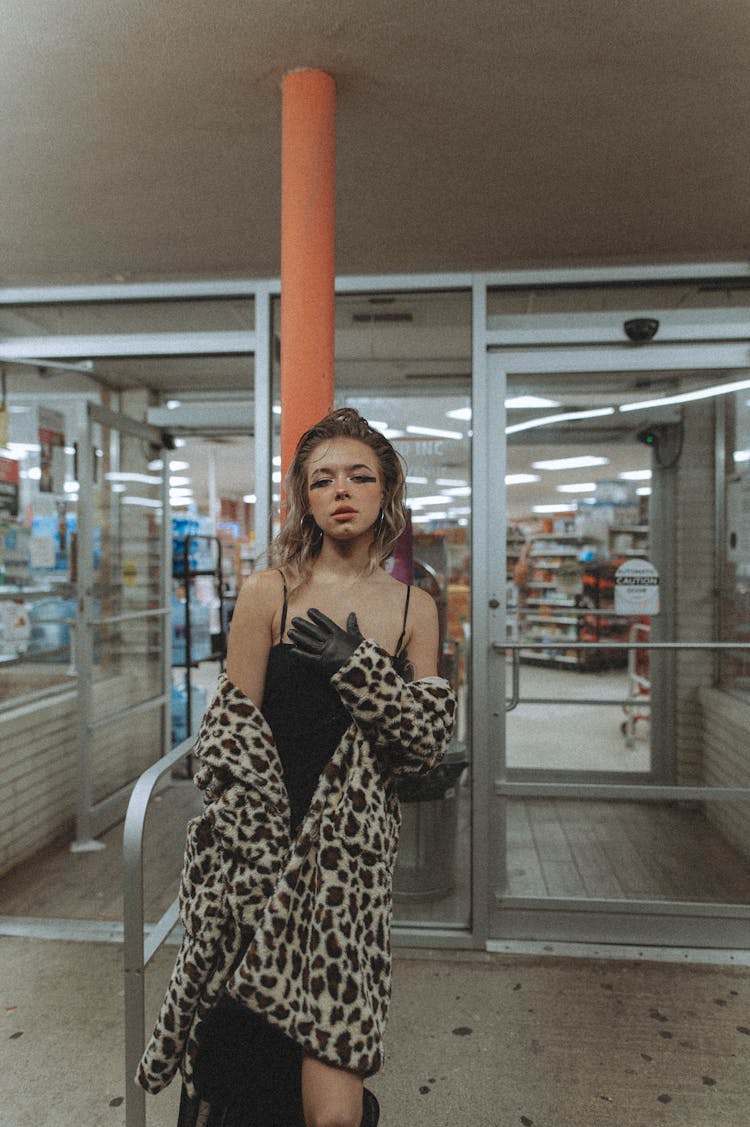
{"x": 248, "y": 1074}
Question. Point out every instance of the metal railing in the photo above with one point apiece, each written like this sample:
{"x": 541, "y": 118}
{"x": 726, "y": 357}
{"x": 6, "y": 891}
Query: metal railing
{"x": 140, "y": 942}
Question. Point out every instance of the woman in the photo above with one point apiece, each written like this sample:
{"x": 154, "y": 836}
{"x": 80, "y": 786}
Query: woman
{"x": 330, "y": 695}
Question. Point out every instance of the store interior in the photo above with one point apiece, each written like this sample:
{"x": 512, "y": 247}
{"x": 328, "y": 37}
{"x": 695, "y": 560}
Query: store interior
{"x": 405, "y": 362}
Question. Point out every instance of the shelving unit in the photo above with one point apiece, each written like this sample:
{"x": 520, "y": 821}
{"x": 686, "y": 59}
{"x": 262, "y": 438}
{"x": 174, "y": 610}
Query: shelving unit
{"x": 515, "y": 543}
{"x": 191, "y": 645}
{"x": 243, "y": 562}
{"x": 566, "y": 603}
{"x": 626, "y": 540}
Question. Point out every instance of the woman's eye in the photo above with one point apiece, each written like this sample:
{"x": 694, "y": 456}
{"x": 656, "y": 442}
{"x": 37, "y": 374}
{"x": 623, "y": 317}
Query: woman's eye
{"x": 320, "y": 482}
{"x": 363, "y": 479}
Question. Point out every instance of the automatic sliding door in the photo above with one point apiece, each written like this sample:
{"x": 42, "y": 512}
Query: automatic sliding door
{"x": 608, "y": 820}
{"x": 123, "y": 626}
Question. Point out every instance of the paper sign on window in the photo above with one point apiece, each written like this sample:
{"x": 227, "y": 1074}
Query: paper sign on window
{"x": 636, "y": 588}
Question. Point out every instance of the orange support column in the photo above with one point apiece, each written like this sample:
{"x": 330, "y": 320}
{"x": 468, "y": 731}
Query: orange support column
{"x": 308, "y": 178}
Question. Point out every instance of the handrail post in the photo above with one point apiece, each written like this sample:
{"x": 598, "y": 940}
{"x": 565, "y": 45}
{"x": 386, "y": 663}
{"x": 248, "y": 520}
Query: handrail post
{"x": 135, "y": 960}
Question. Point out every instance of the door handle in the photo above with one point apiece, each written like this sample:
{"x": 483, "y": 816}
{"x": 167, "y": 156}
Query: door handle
{"x": 511, "y": 703}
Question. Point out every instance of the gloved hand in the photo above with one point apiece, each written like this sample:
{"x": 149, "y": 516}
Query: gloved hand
{"x": 320, "y": 641}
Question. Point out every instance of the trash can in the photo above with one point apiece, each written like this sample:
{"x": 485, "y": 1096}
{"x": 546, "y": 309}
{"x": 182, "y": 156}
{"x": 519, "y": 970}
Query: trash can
{"x": 425, "y": 866}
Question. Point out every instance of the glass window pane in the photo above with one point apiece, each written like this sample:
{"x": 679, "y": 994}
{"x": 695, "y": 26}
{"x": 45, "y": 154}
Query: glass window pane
{"x": 735, "y": 587}
{"x": 432, "y": 879}
{"x": 686, "y": 851}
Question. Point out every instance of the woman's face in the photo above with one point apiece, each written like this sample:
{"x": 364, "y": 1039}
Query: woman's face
{"x": 344, "y": 487}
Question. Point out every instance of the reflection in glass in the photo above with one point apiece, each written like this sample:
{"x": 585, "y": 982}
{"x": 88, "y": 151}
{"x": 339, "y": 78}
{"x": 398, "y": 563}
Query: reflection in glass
{"x": 432, "y": 879}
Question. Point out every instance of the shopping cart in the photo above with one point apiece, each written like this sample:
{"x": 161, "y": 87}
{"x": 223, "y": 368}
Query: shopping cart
{"x": 638, "y": 704}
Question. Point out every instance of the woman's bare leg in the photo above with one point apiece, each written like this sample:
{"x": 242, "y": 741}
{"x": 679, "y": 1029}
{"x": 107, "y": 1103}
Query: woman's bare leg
{"x": 331, "y": 1097}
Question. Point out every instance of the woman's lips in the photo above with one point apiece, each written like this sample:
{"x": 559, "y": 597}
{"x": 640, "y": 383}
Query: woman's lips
{"x": 344, "y": 514}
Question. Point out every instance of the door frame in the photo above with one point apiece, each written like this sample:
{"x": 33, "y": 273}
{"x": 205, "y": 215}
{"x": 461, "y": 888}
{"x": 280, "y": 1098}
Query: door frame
{"x": 92, "y": 817}
{"x": 497, "y": 916}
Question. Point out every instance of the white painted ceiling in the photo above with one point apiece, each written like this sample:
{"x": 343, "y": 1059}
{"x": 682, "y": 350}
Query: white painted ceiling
{"x": 143, "y": 140}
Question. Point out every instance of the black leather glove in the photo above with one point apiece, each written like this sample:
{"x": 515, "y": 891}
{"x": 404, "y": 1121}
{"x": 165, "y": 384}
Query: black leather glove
{"x": 320, "y": 641}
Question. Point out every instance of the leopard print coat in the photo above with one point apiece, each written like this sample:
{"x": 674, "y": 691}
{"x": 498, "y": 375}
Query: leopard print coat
{"x": 298, "y": 931}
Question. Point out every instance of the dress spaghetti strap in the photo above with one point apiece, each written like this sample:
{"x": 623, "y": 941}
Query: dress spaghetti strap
{"x": 400, "y": 641}
{"x": 283, "y": 609}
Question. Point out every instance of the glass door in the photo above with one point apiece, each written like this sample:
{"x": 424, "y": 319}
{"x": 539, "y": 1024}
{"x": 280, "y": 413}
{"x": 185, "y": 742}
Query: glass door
{"x": 123, "y": 640}
{"x": 615, "y": 814}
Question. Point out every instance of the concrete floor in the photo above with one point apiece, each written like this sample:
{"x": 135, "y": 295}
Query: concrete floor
{"x": 475, "y": 1040}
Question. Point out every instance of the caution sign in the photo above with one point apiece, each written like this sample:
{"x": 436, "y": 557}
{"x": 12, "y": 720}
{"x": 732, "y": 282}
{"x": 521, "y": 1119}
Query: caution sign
{"x": 636, "y": 588}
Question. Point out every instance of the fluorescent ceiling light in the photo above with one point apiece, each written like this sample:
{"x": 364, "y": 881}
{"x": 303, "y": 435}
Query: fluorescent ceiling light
{"x": 141, "y": 478}
{"x": 173, "y": 404}
{"x": 741, "y": 455}
{"x": 276, "y": 460}
{"x": 517, "y": 402}
{"x": 411, "y": 480}
{"x": 116, "y": 488}
{"x": 277, "y": 408}
{"x": 34, "y": 473}
{"x": 71, "y": 487}
{"x": 433, "y": 432}
{"x": 378, "y": 424}
{"x": 578, "y": 463}
{"x": 688, "y": 396}
{"x": 423, "y": 518}
{"x": 249, "y": 498}
{"x": 561, "y": 508}
{"x": 563, "y": 417}
{"x": 179, "y": 442}
{"x": 391, "y": 433}
{"x": 644, "y": 491}
{"x": 521, "y": 478}
{"x": 144, "y": 502}
{"x": 276, "y": 477}
{"x": 459, "y": 491}
{"x": 440, "y": 499}
{"x": 462, "y": 413}
{"x": 579, "y": 487}
{"x": 635, "y": 475}
{"x": 451, "y": 481}
{"x": 176, "y": 480}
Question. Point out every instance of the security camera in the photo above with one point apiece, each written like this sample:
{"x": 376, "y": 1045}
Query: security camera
{"x": 641, "y": 329}
{"x": 650, "y": 436}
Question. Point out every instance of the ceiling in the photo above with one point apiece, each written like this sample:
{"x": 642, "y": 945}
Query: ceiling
{"x": 142, "y": 141}
{"x": 142, "y": 144}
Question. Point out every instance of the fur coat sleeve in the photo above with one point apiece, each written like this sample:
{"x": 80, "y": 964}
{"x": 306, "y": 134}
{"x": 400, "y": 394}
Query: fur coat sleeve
{"x": 298, "y": 931}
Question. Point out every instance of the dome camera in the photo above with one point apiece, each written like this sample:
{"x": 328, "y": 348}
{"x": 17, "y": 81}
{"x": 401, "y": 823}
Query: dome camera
{"x": 641, "y": 329}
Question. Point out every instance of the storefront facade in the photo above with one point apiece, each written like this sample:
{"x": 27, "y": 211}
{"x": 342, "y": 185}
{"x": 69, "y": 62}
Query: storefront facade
{"x": 604, "y": 780}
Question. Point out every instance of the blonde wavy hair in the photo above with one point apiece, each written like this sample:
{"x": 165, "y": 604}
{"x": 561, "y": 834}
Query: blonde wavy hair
{"x": 298, "y": 544}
